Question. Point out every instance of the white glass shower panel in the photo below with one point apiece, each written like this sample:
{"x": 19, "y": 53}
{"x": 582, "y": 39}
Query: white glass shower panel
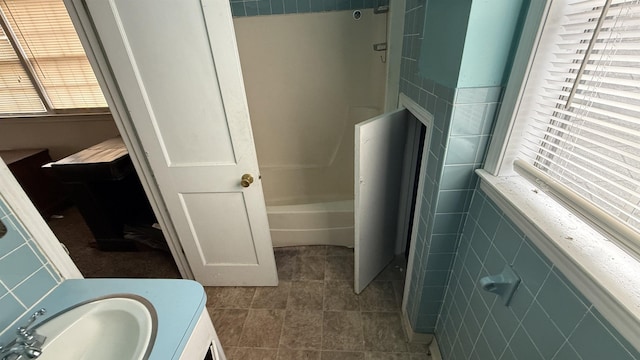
{"x": 182, "y": 89}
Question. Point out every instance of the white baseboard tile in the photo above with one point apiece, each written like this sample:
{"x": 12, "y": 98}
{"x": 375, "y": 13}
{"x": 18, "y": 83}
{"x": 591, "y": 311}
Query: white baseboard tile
{"x": 434, "y": 349}
{"x": 414, "y": 337}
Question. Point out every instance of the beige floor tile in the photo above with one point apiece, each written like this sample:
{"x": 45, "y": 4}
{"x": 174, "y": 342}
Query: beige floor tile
{"x": 221, "y": 297}
{"x": 289, "y": 354}
{"x": 339, "y": 268}
{"x": 342, "y": 355}
{"x": 422, "y": 356}
{"x": 228, "y": 324}
{"x": 398, "y": 289}
{"x": 309, "y": 268}
{"x": 339, "y": 296}
{"x": 386, "y": 356}
{"x": 285, "y": 262}
{"x": 302, "y": 330}
{"x": 262, "y": 329}
{"x": 418, "y": 347}
{"x": 229, "y": 351}
{"x": 383, "y": 332}
{"x": 270, "y": 297}
{"x": 254, "y": 354}
{"x": 299, "y": 317}
{"x": 379, "y": 296}
{"x": 318, "y": 250}
{"x": 342, "y": 330}
{"x": 306, "y": 295}
{"x": 339, "y": 251}
{"x": 396, "y": 270}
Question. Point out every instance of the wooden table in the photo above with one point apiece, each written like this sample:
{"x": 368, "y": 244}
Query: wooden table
{"x": 103, "y": 184}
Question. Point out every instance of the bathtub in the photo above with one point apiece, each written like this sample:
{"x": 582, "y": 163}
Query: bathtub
{"x": 322, "y": 223}
{"x": 313, "y": 204}
{"x": 304, "y": 99}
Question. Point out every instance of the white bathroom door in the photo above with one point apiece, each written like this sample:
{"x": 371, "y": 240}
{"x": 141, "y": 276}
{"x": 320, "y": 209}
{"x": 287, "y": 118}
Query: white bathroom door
{"x": 379, "y": 154}
{"x": 177, "y": 69}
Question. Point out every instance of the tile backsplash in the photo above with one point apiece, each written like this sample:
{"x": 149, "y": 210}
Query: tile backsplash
{"x": 278, "y": 7}
{"x": 25, "y": 274}
{"x": 547, "y": 318}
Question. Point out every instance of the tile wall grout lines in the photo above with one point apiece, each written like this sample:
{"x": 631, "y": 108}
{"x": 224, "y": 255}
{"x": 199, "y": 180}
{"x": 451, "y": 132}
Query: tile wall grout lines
{"x": 457, "y": 335}
{"x": 12, "y": 251}
{"x": 534, "y": 301}
{"x": 37, "y": 252}
{"x": 21, "y": 303}
{"x": 590, "y": 311}
{"x": 284, "y": 321}
{"x": 575, "y": 328}
{"x": 18, "y": 227}
{"x": 56, "y": 277}
{"x": 27, "y": 278}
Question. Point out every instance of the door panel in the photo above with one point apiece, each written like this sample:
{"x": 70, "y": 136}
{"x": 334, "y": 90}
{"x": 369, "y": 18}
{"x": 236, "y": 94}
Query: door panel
{"x": 157, "y": 49}
{"x": 177, "y": 70}
{"x": 379, "y": 155}
{"x": 233, "y": 242}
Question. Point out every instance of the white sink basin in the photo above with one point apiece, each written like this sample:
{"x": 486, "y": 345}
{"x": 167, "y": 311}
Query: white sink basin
{"x": 107, "y": 329}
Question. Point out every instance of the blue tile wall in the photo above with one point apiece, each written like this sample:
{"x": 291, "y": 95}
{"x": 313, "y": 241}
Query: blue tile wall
{"x": 463, "y": 120}
{"x": 547, "y": 319}
{"x": 278, "y": 7}
{"x": 25, "y": 275}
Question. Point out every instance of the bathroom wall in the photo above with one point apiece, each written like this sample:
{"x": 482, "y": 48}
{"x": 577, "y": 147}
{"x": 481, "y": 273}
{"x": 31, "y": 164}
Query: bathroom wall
{"x": 63, "y": 135}
{"x": 547, "y": 318}
{"x": 309, "y": 78}
{"x": 462, "y": 126}
{"x": 462, "y": 236}
{"x": 465, "y": 47}
{"x": 25, "y": 274}
{"x": 463, "y": 118}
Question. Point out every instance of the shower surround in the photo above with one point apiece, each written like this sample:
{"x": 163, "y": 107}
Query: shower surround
{"x": 309, "y": 79}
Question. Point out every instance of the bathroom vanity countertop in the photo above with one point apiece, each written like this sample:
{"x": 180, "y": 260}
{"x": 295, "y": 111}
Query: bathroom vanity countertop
{"x": 178, "y": 304}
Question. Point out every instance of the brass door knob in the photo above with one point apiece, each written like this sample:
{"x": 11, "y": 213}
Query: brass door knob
{"x": 246, "y": 180}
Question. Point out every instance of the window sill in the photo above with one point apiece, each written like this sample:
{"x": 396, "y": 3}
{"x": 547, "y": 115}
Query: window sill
{"x": 70, "y": 117}
{"x": 602, "y": 271}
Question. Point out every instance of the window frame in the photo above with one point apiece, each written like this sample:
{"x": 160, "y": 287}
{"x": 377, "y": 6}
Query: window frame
{"x": 49, "y": 110}
{"x": 497, "y": 158}
{"x": 605, "y": 274}
{"x": 503, "y": 153}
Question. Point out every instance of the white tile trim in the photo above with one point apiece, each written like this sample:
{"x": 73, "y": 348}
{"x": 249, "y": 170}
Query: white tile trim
{"x": 434, "y": 348}
{"x": 412, "y": 336}
{"x": 604, "y": 273}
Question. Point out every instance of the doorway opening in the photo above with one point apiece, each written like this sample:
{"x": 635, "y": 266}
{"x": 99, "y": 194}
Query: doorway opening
{"x": 420, "y": 126}
{"x": 110, "y": 191}
{"x": 389, "y": 187}
{"x": 415, "y": 177}
{"x": 124, "y": 237}
{"x": 96, "y": 208}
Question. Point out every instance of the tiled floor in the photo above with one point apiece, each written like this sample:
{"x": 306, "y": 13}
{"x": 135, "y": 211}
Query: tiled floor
{"x": 314, "y": 314}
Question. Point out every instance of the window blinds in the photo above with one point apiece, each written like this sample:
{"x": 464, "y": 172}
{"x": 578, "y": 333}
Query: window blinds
{"x": 582, "y": 143}
{"x": 17, "y": 94}
{"x": 53, "y": 53}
